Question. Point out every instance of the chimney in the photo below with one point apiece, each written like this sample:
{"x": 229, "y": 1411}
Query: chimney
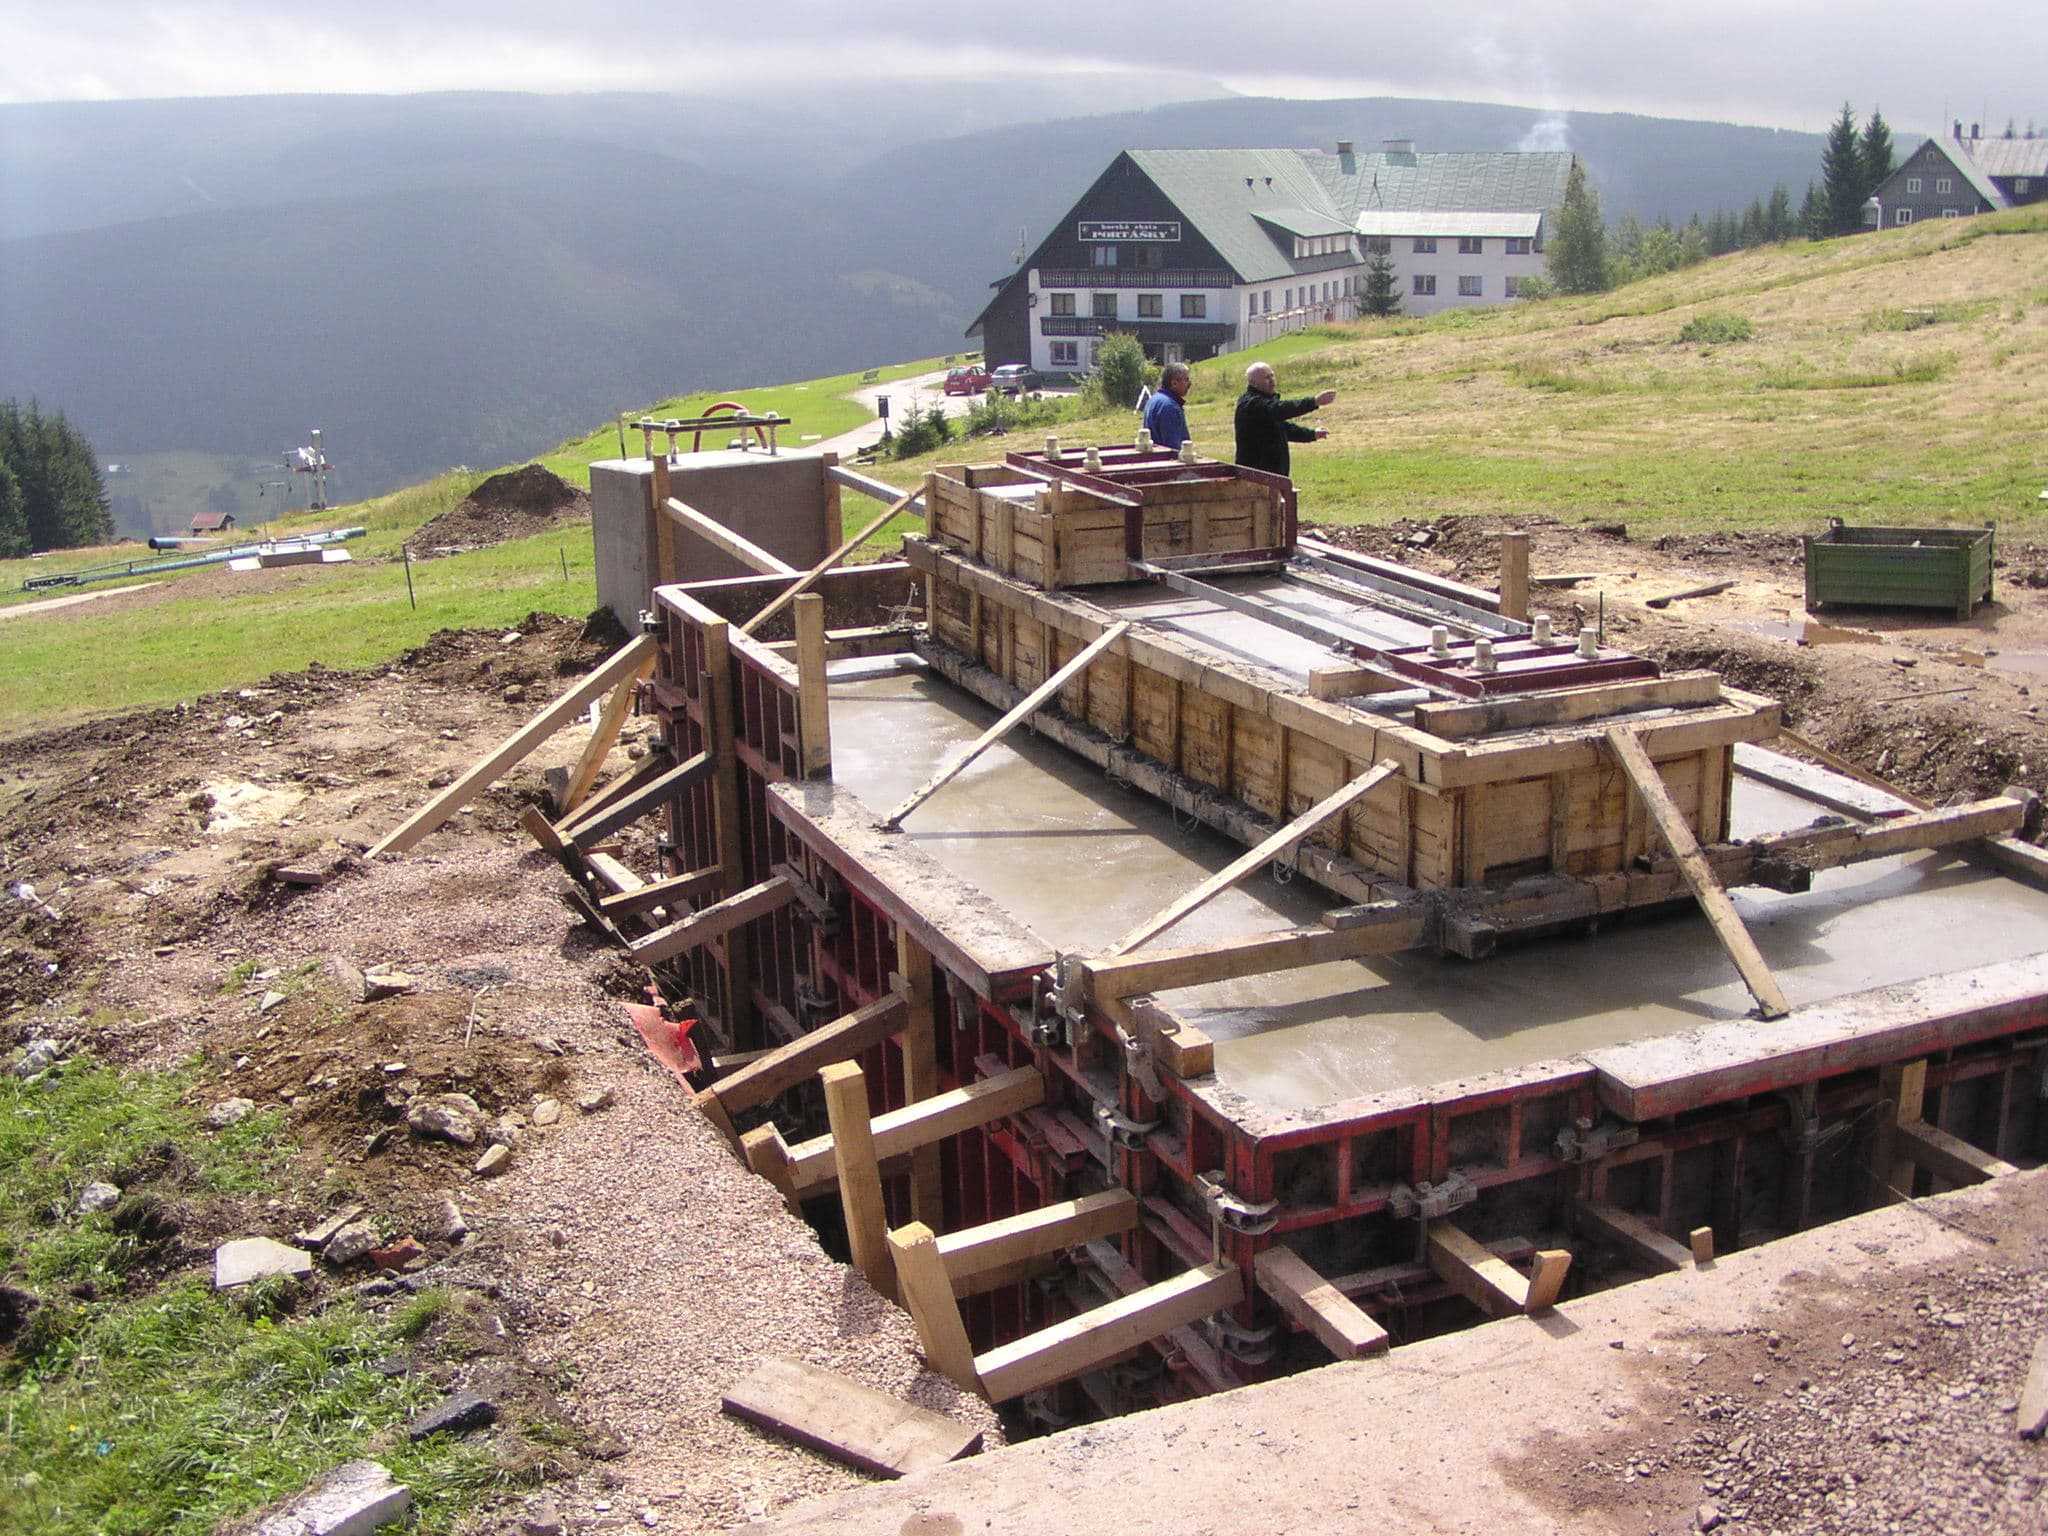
{"x": 1959, "y": 130}
{"x": 1347, "y": 157}
{"x": 1400, "y": 146}
{"x": 1976, "y": 131}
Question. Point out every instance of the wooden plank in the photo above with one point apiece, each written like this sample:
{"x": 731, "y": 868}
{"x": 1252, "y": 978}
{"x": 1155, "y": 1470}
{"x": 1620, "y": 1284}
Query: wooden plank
{"x": 1704, "y": 589}
{"x": 662, "y": 893}
{"x": 654, "y": 764}
{"x": 713, "y": 922}
{"x": 1546, "y": 1278}
{"x": 813, "y": 1164}
{"x": 860, "y": 1175}
{"x": 929, "y": 1297}
{"x": 627, "y": 809}
{"x": 773, "y": 1073}
{"x": 2032, "y": 1422}
{"x": 920, "y": 1071}
{"x": 1946, "y": 1157}
{"x": 1706, "y": 889}
{"x": 620, "y": 665}
{"x": 1826, "y": 847}
{"x": 538, "y": 828}
{"x": 1279, "y": 844}
{"x": 841, "y": 1418}
{"x": 1104, "y": 1333}
{"x": 1030, "y": 705}
{"x": 1377, "y": 930}
{"x": 1514, "y": 576}
{"x": 1565, "y": 706}
{"x": 809, "y": 579}
{"x": 721, "y": 710}
{"x": 977, "y": 1253}
{"x": 1349, "y": 682}
{"x": 813, "y": 699}
{"x": 1643, "y": 1244}
{"x": 726, "y": 540}
{"x": 1339, "y": 1322}
{"x": 1176, "y": 1045}
{"x": 1489, "y": 1283}
{"x": 610, "y": 721}
{"x": 1700, "y": 1242}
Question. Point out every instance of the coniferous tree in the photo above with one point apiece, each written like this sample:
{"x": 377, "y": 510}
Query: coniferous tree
{"x": 1578, "y": 255}
{"x": 1841, "y": 174}
{"x": 1752, "y": 230}
{"x": 13, "y": 524}
{"x": 1778, "y": 215}
{"x": 1381, "y": 297}
{"x": 1813, "y": 214}
{"x": 57, "y": 478}
{"x": 1875, "y": 150}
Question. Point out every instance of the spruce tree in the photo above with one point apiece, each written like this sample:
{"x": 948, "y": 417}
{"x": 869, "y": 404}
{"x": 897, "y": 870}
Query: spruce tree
{"x": 1578, "y": 255}
{"x": 1778, "y": 215}
{"x": 1841, "y": 175}
{"x": 1752, "y": 234}
{"x": 1813, "y": 214}
{"x": 1875, "y": 150}
{"x": 1381, "y": 297}
{"x": 13, "y": 524}
{"x": 57, "y": 478}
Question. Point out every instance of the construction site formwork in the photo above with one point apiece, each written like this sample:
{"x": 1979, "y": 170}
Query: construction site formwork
{"x": 1309, "y": 1124}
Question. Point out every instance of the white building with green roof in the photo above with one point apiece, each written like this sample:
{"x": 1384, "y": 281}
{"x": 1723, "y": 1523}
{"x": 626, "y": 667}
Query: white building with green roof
{"x": 1201, "y": 251}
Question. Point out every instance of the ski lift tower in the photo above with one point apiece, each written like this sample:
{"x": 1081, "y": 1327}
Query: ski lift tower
{"x": 311, "y": 460}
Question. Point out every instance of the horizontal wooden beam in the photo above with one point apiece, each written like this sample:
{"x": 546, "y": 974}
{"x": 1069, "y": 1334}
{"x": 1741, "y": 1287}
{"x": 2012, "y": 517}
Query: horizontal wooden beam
{"x": 662, "y": 893}
{"x": 1176, "y": 1045}
{"x": 1105, "y": 1333}
{"x": 1642, "y": 1244}
{"x": 1564, "y": 706}
{"x": 727, "y": 541}
{"x": 1390, "y": 926}
{"x": 1826, "y": 847}
{"x": 984, "y": 1253}
{"x": 622, "y": 664}
{"x": 620, "y": 785}
{"x": 714, "y": 922}
{"x": 776, "y": 1072}
{"x": 1490, "y": 1283}
{"x": 629, "y": 808}
{"x": 814, "y": 1167}
{"x": 810, "y": 578}
{"x": 1945, "y": 1156}
{"x": 1343, "y": 1326}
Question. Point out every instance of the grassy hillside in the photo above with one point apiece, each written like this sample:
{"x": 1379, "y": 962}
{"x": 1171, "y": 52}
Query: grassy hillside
{"x": 1901, "y": 377}
{"x": 1844, "y": 402}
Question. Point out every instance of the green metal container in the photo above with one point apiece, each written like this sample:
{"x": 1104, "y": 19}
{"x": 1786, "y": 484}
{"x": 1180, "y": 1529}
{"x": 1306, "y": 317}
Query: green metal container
{"x": 1900, "y": 567}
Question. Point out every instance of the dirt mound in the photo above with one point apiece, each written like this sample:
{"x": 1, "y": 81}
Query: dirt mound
{"x": 514, "y": 504}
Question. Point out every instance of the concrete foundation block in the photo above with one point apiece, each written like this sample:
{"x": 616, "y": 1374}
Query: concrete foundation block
{"x": 356, "y": 1498}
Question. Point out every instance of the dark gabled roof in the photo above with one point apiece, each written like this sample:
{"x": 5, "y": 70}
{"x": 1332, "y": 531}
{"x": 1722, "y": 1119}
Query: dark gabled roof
{"x": 2008, "y": 157}
{"x": 211, "y": 519}
{"x": 1966, "y": 168}
{"x": 1464, "y": 181}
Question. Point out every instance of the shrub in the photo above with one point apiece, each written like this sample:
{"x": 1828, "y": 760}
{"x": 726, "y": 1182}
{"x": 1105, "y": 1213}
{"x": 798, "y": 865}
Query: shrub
{"x": 1712, "y": 328}
{"x": 994, "y": 414}
{"x": 921, "y": 432}
{"x": 1120, "y": 368}
{"x": 1535, "y": 289}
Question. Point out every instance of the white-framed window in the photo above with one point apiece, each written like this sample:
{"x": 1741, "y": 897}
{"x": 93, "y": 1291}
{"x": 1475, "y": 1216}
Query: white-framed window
{"x": 1062, "y": 303}
{"x": 1102, "y": 255}
{"x": 1902, "y": 215}
{"x": 1514, "y": 286}
{"x": 1470, "y": 288}
{"x": 1944, "y": 184}
{"x": 1951, "y": 213}
{"x": 1103, "y": 306}
{"x": 1425, "y": 245}
{"x": 1065, "y": 354}
{"x": 2020, "y": 184}
{"x": 1425, "y": 284}
{"x": 1287, "y": 299}
{"x": 1194, "y": 306}
{"x": 1379, "y": 245}
{"x": 1471, "y": 245}
{"x": 1266, "y": 303}
{"x": 1518, "y": 245}
{"x": 1912, "y": 185}
{"x": 1151, "y": 306}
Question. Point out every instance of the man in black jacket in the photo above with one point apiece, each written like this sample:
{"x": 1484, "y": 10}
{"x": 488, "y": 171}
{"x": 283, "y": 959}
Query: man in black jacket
{"x": 1265, "y": 423}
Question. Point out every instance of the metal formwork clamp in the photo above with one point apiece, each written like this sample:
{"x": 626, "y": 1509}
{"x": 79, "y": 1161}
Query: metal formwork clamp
{"x": 815, "y": 1006}
{"x": 1247, "y": 1218}
{"x": 650, "y": 622}
{"x": 1139, "y": 1063}
{"x": 1063, "y": 1000}
{"x": 674, "y": 429}
{"x": 646, "y": 440}
{"x": 1432, "y": 1201}
{"x": 1121, "y": 1129}
{"x": 1253, "y": 1346}
{"x": 1587, "y": 1141}
{"x": 1041, "y": 1408}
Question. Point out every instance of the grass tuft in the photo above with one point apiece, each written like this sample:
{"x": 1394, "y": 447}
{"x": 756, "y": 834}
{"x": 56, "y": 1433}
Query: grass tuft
{"x": 1716, "y": 328}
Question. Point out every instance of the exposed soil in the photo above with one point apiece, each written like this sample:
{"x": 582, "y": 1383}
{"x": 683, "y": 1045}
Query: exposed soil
{"x": 512, "y": 504}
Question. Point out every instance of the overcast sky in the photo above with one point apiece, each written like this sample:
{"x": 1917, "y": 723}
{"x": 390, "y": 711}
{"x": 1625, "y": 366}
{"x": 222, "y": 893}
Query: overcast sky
{"x": 1783, "y": 62}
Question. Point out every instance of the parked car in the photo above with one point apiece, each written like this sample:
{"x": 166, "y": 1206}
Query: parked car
{"x": 966, "y": 381}
{"x": 1013, "y": 379}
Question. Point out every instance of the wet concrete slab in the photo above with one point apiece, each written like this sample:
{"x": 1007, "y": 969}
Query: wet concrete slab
{"x": 1080, "y": 860}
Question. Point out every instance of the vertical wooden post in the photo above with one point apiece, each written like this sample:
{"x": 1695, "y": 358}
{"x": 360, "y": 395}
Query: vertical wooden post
{"x": 1514, "y": 576}
{"x": 835, "y": 531}
{"x": 664, "y": 530}
{"x": 920, "y": 1073}
{"x": 725, "y": 795}
{"x": 813, "y": 705}
{"x": 1904, "y": 1086}
{"x": 860, "y": 1176}
{"x": 927, "y": 1293}
{"x": 1560, "y": 822}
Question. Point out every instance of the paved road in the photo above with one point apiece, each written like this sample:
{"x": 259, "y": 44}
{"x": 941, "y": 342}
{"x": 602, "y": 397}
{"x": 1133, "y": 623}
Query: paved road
{"x": 925, "y": 391}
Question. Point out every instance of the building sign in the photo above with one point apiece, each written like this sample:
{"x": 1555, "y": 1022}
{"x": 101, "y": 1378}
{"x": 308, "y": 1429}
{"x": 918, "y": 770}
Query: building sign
{"x": 1131, "y": 230}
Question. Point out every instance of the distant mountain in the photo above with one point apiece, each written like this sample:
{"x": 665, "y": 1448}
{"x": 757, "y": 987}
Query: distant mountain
{"x": 471, "y": 278}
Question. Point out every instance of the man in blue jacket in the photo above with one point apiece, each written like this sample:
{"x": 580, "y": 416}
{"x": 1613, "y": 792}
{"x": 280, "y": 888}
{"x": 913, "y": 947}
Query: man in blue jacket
{"x": 1265, "y": 422}
{"x": 1165, "y": 417}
